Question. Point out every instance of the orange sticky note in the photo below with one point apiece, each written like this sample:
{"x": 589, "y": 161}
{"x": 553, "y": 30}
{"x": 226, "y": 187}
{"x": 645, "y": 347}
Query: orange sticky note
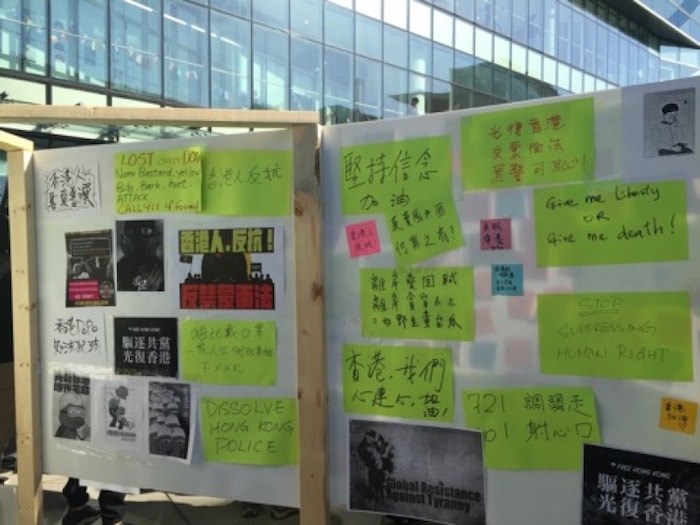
{"x": 363, "y": 238}
{"x": 678, "y": 415}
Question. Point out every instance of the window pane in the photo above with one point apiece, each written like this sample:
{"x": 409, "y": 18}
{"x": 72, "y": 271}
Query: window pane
{"x": 368, "y": 89}
{"x": 443, "y": 62}
{"x": 483, "y": 79}
{"x": 501, "y": 83}
{"x": 464, "y": 37}
{"x": 419, "y": 89}
{"x": 306, "y": 75}
{"x": 22, "y": 35}
{"x": 396, "y": 13}
{"x": 395, "y": 46}
{"x": 270, "y": 67}
{"x": 589, "y": 45}
{"x": 502, "y": 16}
{"x": 339, "y": 27}
{"x": 576, "y": 81}
{"x": 338, "y": 88}
{"x": 442, "y": 28}
{"x": 563, "y": 76}
{"x": 501, "y": 51}
{"x": 519, "y": 27}
{"x": 536, "y": 21}
{"x": 306, "y": 18}
{"x": 465, "y": 9}
{"x": 549, "y": 71}
{"x": 78, "y": 41}
{"x": 534, "y": 64}
{"x": 186, "y": 59}
{"x": 613, "y": 56}
{"x": 421, "y": 55}
{"x": 484, "y": 13}
{"x": 420, "y": 18}
{"x": 564, "y": 43}
{"x": 518, "y": 58}
{"x": 236, "y": 7}
{"x": 368, "y": 40}
{"x": 484, "y": 44}
{"x": 439, "y": 98}
{"x": 395, "y": 84}
{"x": 136, "y": 47}
{"x": 230, "y": 61}
{"x": 601, "y": 63}
{"x": 577, "y": 39}
{"x": 370, "y": 8}
{"x": 464, "y": 70}
{"x": 274, "y": 13}
{"x": 550, "y": 27}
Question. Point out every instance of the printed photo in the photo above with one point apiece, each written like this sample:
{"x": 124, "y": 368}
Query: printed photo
{"x": 170, "y": 420}
{"x": 90, "y": 270}
{"x": 123, "y": 411}
{"x": 397, "y": 469}
{"x": 140, "y": 256}
{"x": 669, "y": 123}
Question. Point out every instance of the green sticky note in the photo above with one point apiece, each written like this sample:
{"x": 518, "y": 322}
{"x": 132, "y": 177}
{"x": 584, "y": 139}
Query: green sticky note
{"x": 376, "y": 178}
{"x": 247, "y": 182}
{"x": 643, "y": 335}
{"x": 543, "y": 144}
{"x": 398, "y": 381}
{"x": 611, "y": 223}
{"x": 418, "y": 303}
{"x": 424, "y": 230}
{"x": 250, "y": 430}
{"x": 228, "y": 352}
{"x": 158, "y": 181}
{"x": 537, "y": 428}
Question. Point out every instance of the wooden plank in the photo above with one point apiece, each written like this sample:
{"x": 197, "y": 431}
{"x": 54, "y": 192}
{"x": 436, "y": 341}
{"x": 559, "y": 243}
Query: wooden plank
{"x": 118, "y": 116}
{"x": 311, "y": 357}
{"x": 26, "y": 341}
{"x": 9, "y": 142}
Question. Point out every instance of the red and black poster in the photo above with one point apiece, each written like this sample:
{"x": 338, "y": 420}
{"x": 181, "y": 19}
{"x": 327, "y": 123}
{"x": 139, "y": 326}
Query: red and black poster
{"x": 145, "y": 346}
{"x": 231, "y": 269}
{"x": 90, "y": 269}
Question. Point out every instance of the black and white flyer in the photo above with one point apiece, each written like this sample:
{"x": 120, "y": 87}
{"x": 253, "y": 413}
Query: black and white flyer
{"x": 628, "y": 488}
{"x": 123, "y": 415}
{"x": 424, "y": 472}
{"x": 89, "y": 269}
{"x": 170, "y": 420}
{"x": 145, "y": 346}
{"x": 140, "y": 256}
{"x": 71, "y": 406}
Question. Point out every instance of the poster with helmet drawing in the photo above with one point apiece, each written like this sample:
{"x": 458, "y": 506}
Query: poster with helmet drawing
{"x": 71, "y": 406}
{"x": 123, "y": 412}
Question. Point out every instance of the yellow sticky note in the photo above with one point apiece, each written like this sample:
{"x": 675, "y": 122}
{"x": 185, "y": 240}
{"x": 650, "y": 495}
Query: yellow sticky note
{"x": 378, "y": 178}
{"x": 611, "y": 223}
{"x": 158, "y": 181}
{"x": 643, "y": 335}
{"x": 536, "y": 428}
{"x": 247, "y": 182}
{"x": 678, "y": 415}
{"x": 418, "y": 303}
{"x": 228, "y": 352}
{"x": 543, "y": 144}
{"x": 398, "y": 381}
{"x": 423, "y": 230}
{"x": 250, "y": 431}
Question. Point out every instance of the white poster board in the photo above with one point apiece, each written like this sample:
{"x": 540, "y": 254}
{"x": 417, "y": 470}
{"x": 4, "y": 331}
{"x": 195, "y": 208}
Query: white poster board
{"x": 134, "y": 446}
{"x": 505, "y": 350}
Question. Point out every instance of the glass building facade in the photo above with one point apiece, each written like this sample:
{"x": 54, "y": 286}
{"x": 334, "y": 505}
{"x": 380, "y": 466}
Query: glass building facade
{"x": 349, "y": 60}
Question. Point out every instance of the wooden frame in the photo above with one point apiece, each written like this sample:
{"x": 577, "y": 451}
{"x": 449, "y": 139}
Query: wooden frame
{"x": 311, "y": 367}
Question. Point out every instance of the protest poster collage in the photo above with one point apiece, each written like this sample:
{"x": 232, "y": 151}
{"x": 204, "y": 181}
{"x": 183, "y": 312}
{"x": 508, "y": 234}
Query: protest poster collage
{"x": 165, "y": 304}
{"x": 519, "y": 314}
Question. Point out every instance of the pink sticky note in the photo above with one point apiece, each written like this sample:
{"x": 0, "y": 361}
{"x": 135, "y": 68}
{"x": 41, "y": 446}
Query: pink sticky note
{"x": 363, "y": 238}
{"x": 495, "y": 234}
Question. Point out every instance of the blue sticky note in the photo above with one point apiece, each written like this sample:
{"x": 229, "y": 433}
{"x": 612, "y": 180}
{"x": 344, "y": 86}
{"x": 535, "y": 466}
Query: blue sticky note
{"x": 506, "y": 279}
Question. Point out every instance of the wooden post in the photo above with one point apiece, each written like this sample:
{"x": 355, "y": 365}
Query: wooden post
{"x": 311, "y": 359}
{"x": 26, "y": 341}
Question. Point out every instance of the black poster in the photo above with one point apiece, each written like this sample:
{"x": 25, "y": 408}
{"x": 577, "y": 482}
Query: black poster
{"x": 621, "y": 487}
{"x": 432, "y": 473}
{"x": 140, "y": 256}
{"x": 145, "y": 346}
{"x": 90, "y": 269}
